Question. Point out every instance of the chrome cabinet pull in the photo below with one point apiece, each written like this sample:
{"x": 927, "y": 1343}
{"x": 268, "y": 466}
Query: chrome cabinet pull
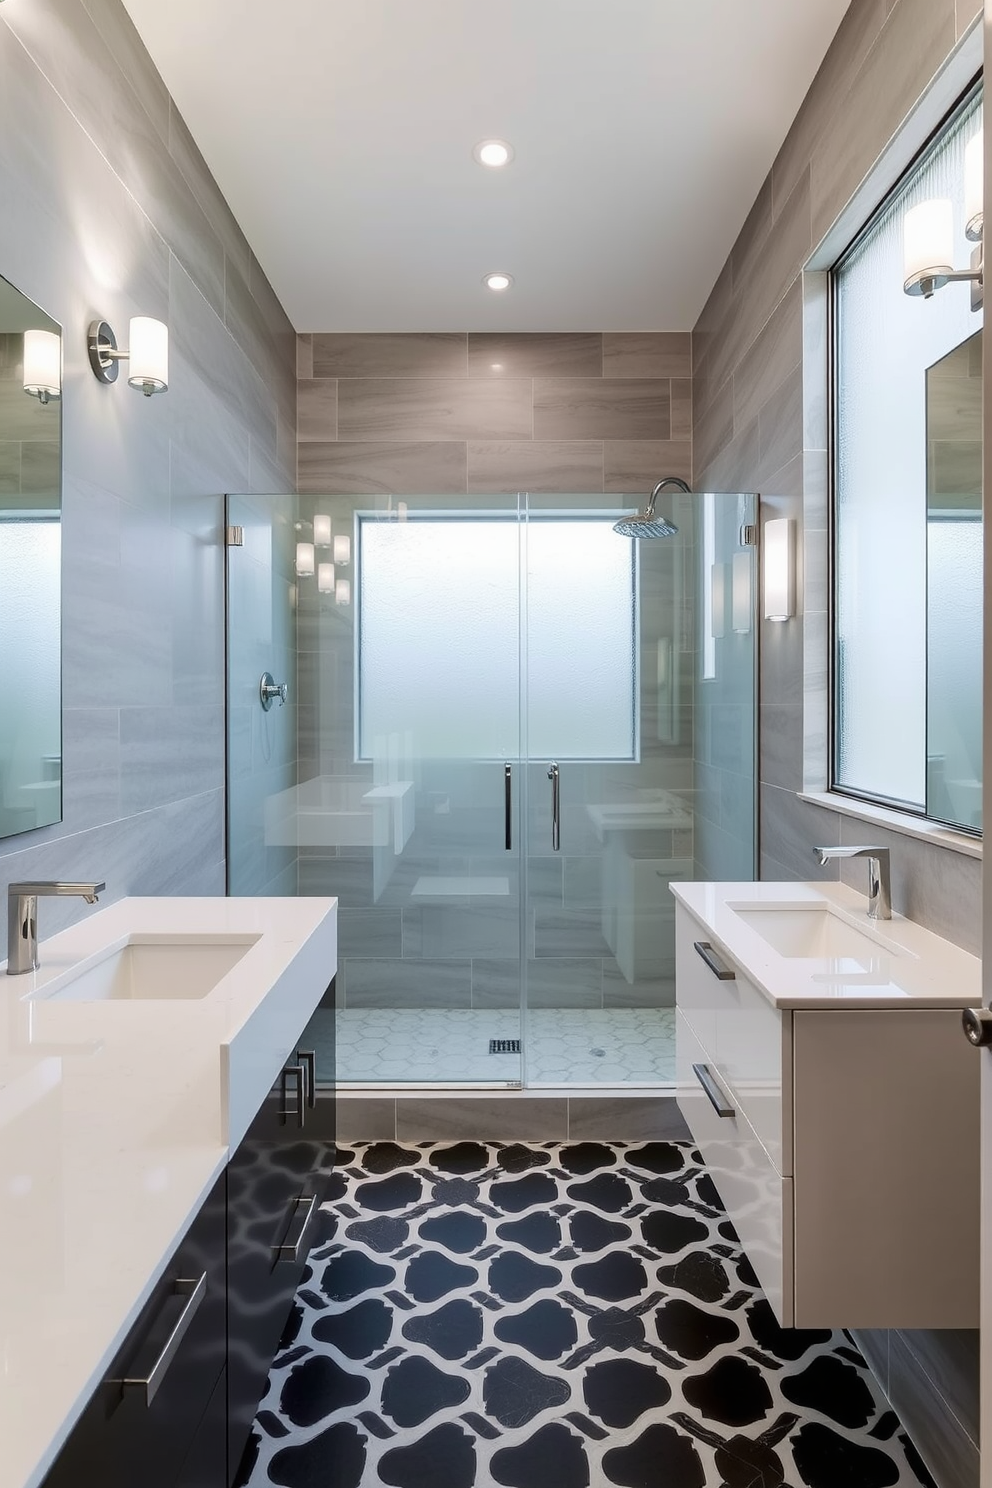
{"x": 309, "y": 1058}
{"x": 297, "y": 1073}
{"x": 184, "y": 1302}
{"x": 720, "y": 969}
{"x": 508, "y": 805}
{"x": 554, "y": 775}
{"x": 292, "y": 1247}
{"x": 714, "y": 1094}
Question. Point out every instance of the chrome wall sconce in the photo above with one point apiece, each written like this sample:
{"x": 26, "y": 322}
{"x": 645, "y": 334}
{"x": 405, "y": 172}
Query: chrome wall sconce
{"x": 148, "y": 355}
{"x": 928, "y": 236}
{"x": 43, "y": 365}
{"x": 779, "y": 568}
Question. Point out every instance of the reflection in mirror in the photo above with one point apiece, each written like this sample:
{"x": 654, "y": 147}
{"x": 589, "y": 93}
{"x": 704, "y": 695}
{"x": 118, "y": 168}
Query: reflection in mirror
{"x": 30, "y": 566}
{"x": 954, "y": 586}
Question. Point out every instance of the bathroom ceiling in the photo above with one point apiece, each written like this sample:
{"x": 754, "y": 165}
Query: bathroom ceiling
{"x": 341, "y": 133}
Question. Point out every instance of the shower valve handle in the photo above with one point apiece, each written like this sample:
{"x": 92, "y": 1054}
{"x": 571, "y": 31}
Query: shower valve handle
{"x": 554, "y": 775}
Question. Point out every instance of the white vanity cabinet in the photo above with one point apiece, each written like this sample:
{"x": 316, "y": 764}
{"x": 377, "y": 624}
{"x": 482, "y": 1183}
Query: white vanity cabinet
{"x": 842, "y": 1138}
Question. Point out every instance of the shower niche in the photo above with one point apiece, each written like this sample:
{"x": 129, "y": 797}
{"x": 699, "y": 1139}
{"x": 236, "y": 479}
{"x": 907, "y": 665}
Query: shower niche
{"x": 506, "y": 735}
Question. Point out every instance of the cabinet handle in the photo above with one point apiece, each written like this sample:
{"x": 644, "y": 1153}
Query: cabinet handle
{"x": 508, "y": 806}
{"x": 298, "y": 1074}
{"x": 719, "y": 968}
{"x": 554, "y": 775}
{"x": 309, "y": 1058}
{"x": 292, "y": 1248}
{"x": 184, "y": 1303}
{"x": 714, "y": 1094}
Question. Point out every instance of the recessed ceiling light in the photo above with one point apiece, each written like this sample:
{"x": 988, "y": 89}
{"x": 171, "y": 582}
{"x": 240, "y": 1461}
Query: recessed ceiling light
{"x": 498, "y": 282}
{"x": 493, "y": 152}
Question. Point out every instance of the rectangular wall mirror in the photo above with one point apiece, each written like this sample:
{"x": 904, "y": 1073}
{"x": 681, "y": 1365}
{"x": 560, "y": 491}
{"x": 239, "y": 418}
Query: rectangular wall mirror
{"x": 954, "y": 586}
{"x": 30, "y": 565}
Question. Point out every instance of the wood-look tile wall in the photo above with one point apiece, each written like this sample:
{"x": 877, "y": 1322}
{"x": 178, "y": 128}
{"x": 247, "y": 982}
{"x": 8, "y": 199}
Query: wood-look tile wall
{"x": 111, "y": 211}
{"x": 473, "y": 413}
{"x": 752, "y": 431}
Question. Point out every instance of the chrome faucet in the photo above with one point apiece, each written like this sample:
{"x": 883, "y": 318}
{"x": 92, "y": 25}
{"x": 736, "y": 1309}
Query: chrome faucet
{"x": 879, "y": 890}
{"x": 22, "y": 918}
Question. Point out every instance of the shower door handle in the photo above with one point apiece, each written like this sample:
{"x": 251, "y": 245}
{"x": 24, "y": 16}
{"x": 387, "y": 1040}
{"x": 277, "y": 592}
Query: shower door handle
{"x": 508, "y": 805}
{"x": 554, "y": 775}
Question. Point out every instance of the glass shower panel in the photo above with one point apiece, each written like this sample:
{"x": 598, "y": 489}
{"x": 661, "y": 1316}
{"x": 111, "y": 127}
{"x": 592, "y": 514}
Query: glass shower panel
{"x": 410, "y": 707}
{"x": 615, "y": 719}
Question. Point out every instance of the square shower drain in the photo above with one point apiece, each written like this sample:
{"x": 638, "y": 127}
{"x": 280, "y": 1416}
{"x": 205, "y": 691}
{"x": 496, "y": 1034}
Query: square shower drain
{"x": 504, "y": 1046}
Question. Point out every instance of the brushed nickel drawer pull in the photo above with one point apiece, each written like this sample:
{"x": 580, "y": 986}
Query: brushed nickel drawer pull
{"x": 714, "y": 1094}
{"x": 292, "y": 1248}
{"x": 309, "y": 1058}
{"x": 298, "y": 1075}
{"x": 719, "y": 968}
{"x": 184, "y": 1302}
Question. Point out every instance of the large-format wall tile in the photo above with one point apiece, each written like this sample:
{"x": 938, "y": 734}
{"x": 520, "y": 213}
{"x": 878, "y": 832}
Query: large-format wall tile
{"x": 789, "y": 830}
{"x": 371, "y": 468}
{"x": 570, "y": 982}
{"x": 940, "y": 1438}
{"x": 409, "y": 355}
{"x": 186, "y": 153}
{"x": 317, "y": 410}
{"x": 770, "y": 359}
{"x": 498, "y": 354}
{"x": 638, "y": 464}
{"x": 441, "y": 931}
{"x": 436, "y": 408}
{"x": 681, "y": 425}
{"x": 917, "y": 36}
{"x": 581, "y": 408}
{"x": 546, "y": 466}
{"x": 930, "y": 884}
{"x": 647, "y": 354}
{"x": 405, "y": 984}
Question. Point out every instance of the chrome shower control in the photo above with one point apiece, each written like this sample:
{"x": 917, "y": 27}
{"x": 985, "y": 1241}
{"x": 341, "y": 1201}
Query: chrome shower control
{"x": 269, "y": 689}
{"x": 977, "y": 1025}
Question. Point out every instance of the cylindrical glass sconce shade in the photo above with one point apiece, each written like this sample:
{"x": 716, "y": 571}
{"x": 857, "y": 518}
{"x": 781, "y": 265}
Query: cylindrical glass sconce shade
{"x": 148, "y": 355}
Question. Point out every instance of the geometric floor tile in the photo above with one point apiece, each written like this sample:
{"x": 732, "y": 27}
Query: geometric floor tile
{"x": 556, "y": 1315}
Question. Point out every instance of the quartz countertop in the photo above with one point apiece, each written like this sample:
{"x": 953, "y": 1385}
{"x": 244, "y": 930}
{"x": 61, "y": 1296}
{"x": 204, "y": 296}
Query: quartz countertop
{"x": 116, "y": 1118}
{"x": 910, "y": 966}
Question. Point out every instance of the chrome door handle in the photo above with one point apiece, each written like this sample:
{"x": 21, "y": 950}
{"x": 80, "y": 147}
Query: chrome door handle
{"x": 720, "y": 969}
{"x": 977, "y": 1025}
{"x": 508, "y": 806}
{"x": 297, "y": 1073}
{"x": 554, "y": 775}
{"x": 714, "y": 1094}
{"x": 309, "y": 1058}
{"x": 291, "y": 1248}
{"x": 184, "y": 1302}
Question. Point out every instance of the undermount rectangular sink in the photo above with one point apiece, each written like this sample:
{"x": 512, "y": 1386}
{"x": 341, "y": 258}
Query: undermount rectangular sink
{"x": 814, "y": 933}
{"x": 154, "y": 968}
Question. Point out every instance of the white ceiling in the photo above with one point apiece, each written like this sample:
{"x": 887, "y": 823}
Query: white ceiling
{"x": 341, "y": 133}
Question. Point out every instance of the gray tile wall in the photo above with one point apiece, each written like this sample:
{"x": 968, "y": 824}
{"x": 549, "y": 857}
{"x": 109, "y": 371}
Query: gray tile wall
{"x": 479, "y": 413}
{"x": 748, "y": 434}
{"x": 110, "y": 211}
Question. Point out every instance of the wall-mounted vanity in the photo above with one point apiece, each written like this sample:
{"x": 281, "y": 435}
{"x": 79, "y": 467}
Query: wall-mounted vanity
{"x": 824, "y": 1074}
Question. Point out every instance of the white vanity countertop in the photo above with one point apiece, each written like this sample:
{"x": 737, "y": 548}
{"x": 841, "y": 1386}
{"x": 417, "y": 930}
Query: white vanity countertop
{"x": 911, "y": 967}
{"x": 116, "y": 1118}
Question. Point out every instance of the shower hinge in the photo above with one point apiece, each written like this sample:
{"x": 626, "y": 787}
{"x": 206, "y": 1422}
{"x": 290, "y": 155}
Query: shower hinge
{"x": 235, "y": 537}
{"x": 749, "y": 535}
{"x": 504, "y": 1046}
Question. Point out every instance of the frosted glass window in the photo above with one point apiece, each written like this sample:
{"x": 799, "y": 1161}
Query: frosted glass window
{"x": 442, "y": 615}
{"x": 885, "y": 342}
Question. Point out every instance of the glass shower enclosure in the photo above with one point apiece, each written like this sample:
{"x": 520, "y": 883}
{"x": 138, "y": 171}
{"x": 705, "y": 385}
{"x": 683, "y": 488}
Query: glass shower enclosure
{"x": 506, "y": 730}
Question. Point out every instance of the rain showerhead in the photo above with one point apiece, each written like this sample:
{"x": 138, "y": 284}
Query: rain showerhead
{"x": 646, "y": 524}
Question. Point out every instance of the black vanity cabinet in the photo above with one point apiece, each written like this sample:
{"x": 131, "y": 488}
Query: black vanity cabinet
{"x": 156, "y": 1406}
{"x": 275, "y": 1184}
{"x": 175, "y": 1408}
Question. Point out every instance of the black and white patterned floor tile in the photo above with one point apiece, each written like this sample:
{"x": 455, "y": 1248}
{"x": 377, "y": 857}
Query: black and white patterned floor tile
{"x": 554, "y": 1316}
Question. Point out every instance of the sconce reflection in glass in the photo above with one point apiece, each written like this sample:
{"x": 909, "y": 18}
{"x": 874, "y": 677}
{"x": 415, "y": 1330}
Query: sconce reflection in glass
{"x": 718, "y": 601}
{"x": 342, "y": 551}
{"x": 304, "y": 560}
{"x": 342, "y": 592}
{"x": 325, "y": 578}
{"x": 740, "y": 594}
{"x": 148, "y": 354}
{"x": 322, "y": 531}
{"x": 928, "y": 236}
{"x": 779, "y": 568}
{"x": 43, "y": 365}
